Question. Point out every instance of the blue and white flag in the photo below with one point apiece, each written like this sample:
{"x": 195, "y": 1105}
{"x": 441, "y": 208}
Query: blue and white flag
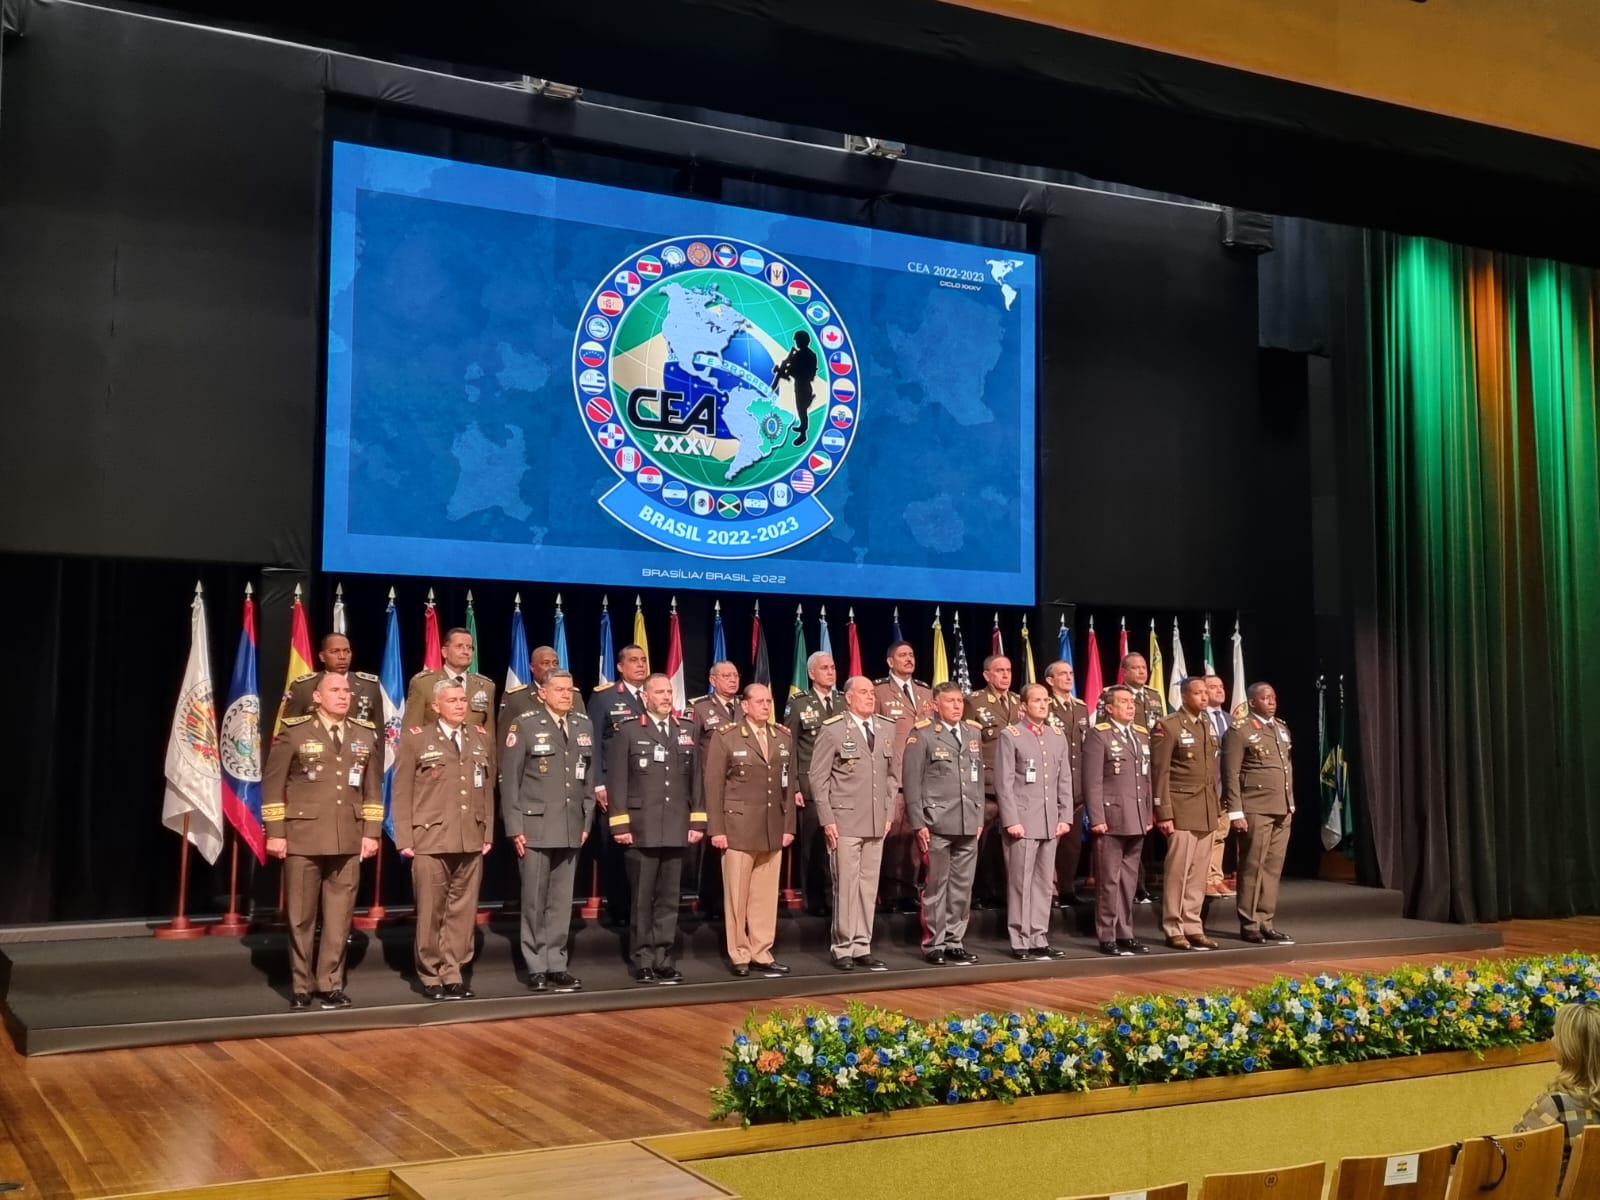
{"x": 825, "y": 643}
{"x": 719, "y": 639}
{"x": 1064, "y": 650}
{"x": 392, "y": 683}
{"x": 608, "y": 653}
{"x": 517, "y": 668}
{"x": 560, "y": 636}
{"x": 240, "y": 741}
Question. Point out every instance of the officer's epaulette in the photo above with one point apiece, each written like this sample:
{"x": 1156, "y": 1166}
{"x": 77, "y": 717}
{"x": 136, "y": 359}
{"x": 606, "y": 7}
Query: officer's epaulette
{"x": 363, "y": 724}
{"x": 780, "y": 727}
{"x": 516, "y": 687}
{"x": 1141, "y": 729}
{"x": 923, "y": 683}
{"x": 974, "y": 724}
{"x": 365, "y": 675}
{"x": 420, "y": 674}
{"x": 1238, "y": 723}
{"x": 835, "y": 717}
{"x": 879, "y": 682}
{"x": 1012, "y": 730}
{"x": 308, "y": 675}
{"x": 297, "y": 720}
{"x": 603, "y": 687}
{"x": 1103, "y": 725}
{"x": 922, "y": 724}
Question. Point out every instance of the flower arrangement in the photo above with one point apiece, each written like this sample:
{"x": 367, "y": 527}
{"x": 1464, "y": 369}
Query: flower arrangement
{"x": 809, "y": 1063}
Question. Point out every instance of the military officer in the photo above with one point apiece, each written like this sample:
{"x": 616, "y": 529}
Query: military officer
{"x": 1183, "y": 780}
{"x": 611, "y": 706}
{"x": 1218, "y": 884}
{"x": 1071, "y": 716}
{"x": 903, "y": 700}
{"x": 806, "y": 713}
{"x": 993, "y": 708}
{"x": 853, "y": 784}
{"x": 322, "y": 804}
{"x": 442, "y": 807}
{"x": 1033, "y": 782}
{"x": 1148, "y": 704}
{"x": 1258, "y": 790}
{"x": 457, "y": 650}
{"x": 656, "y": 814}
{"x": 335, "y": 655}
{"x": 942, "y": 779}
{"x": 547, "y": 802}
{"x": 750, "y": 819}
{"x": 1116, "y": 768}
{"x": 718, "y": 707}
{"x": 524, "y": 697}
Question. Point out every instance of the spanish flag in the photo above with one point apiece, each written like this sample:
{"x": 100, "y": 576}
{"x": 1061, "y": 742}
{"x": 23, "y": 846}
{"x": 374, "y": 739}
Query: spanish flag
{"x": 299, "y": 654}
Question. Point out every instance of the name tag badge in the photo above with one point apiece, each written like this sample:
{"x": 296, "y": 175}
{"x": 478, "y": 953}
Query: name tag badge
{"x": 1031, "y": 775}
{"x": 741, "y": 754}
{"x": 685, "y": 740}
{"x": 660, "y": 753}
{"x": 355, "y": 775}
{"x": 972, "y": 771}
{"x": 581, "y": 770}
{"x": 785, "y": 781}
{"x": 477, "y": 775}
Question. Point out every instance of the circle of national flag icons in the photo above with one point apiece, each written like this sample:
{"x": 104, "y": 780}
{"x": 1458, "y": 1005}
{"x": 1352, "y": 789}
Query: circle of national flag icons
{"x": 629, "y": 283}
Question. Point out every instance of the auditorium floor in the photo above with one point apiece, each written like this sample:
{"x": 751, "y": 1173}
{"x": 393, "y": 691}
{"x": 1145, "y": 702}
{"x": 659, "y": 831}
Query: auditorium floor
{"x": 97, "y": 1124}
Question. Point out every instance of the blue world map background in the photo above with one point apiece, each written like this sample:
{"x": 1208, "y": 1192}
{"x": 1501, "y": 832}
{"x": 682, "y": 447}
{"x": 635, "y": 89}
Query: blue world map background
{"x": 454, "y": 434}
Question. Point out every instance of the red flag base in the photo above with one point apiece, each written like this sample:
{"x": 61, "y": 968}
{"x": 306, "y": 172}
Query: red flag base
{"x": 374, "y": 918}
{"x": 180, "y": 929}
{"x": 484, "y": 915}
{"x": 231, "y": 925}
{"x": 591, "y": 906}
{"x": 789, "y": 898}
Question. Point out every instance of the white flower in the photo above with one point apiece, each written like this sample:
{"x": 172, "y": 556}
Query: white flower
{"x": 805, "y": 1052}
{"x": 1183, "y": 1041}
{"x": 844, "y": 1075}
{"x": 1192, "y": 1014}
{"x": 1312, "y": 1038}
{"x": 1151, "y": 1053}
{"x": 1241, "y": 1030}
{"x": 748, "y": 1052}
{"x": 1069, "y": 1065}
{"x": 1535, "y": 978}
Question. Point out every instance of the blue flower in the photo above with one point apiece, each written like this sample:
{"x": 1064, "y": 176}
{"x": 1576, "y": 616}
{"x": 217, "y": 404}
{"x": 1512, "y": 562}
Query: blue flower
{"x": 884, "y": 1058}
{"x": 811, "y": 1022}
{"x": 741, "y": 1077}
{"x": 1147, "y": 1008}
{"x": 1124, "y": 1029}
{"x": 872, "y": 1086}
{"x": 1098, "y": 1057}
{"x": 1011, "y": 1071}
{"x": 1294, "y": 985}
{"x": 972, "y": 1055}
{"x": 741, "y": 1040}
{"x": 850, "y": 1059}
{"x": 872, "y": 1033}
{"x": 775, "y": 1078}
{"x": 1026, "y": 1050}
{"x": 803, "y": 1078}
{"x": 1274, "y": 1007}
{"x": 983, "y": 1074}
{"x": 953, "y": 1027}
{"x": 952, "y": 1097}
{"x": 1058, "y": 1058}
{"x": 1249, "y": 1064}
{"x": 1113, "y": 1012}
{"x": 979, "y": 1037}
{"x": 987, "y": 1020}
{"x": 1191, "y": 1028}
{"x": 1049, "y": 1038}
{"x": 822, "y": 1060}
{"x": 844, "y": 1024}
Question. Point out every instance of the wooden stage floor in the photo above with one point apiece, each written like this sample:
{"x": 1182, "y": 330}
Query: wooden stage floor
{"x": 98, "y": 1124}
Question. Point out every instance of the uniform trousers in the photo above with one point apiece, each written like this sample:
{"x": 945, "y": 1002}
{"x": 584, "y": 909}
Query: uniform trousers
{"x": 330, "y": 878}
{"x": 1260, "y": 867}
{"x": 947, "y": 893}
{"x": 548, "y": 876}
{"x": 750, "y": 902}
{"x": 1183, "y": 888}
{"x": 1219, "y": 846}
{"x": 446, "y": 888}
{"x": 655, "y": 875}
{"x": 1030, "y": 886}
{"x": 901, "y": 857}
{"x": 1116, "y": 876}
{"x": 811, "y": 861}
{"x": 856, "y": 862}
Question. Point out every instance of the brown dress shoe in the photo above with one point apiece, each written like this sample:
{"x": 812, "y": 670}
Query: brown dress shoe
{"x": 1199, "y": 942}
{"x": 1178, "y": 943}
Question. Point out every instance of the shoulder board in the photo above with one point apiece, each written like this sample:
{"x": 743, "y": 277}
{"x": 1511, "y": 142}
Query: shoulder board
{"x": 835, "y": 717}
{"x": 922, "y": 724}
{"x": 516, "y": 687}
{"x": 418, "y": 729}
{"x": 1141, "y": 729}
{"x": 877, "y": 682}
{"x": 603, "y": 687}
{"x": 780, "y": 727}
{"x": 363, "y": 724}
{"x": 922, "y": 683}
{"x": 1238, "y": 723}
{"x": 1103, "y": 725}
{"x": 1012, "y": 730}
{"x": 366, "y": 675}
{"x": 973, "y": 724}
{"x": 307, "y": 676}
{"x": 297, "y": 720}
{"x": 1281, "y": 721}
{"x": 697, "y": 699}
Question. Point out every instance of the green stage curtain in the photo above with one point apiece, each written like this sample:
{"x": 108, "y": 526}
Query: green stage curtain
{"x": 1478, "y": 639}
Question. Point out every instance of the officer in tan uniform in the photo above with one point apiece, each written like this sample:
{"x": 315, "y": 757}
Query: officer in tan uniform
{"x": 1183, "y": 778}
{"x": 457, "y": 650}
{"x": 524, "y": 697}
{"x": 1258, "y": 790}
{"x": 655, "y": 814}
{"x": 853, "y": 784}
{"x": 442, "y": 808}
{"x": 1033, "y": 782}
{"x": 1148, "y": 704}
{"x": 903, "y": 700}
{"x": 1070, "y": 716}
{"x": 806, "y": 713}
{"x": 942, "y": 778}
{"x": 547, "y": 802}
{"x": 750, "y": 786}
{"x": 1116, "y": 786}
{"x": 1218, "y": 884}
{"x": 712, "y": 712}
{"x": 335, "y": 655}
{"x": 322, "y": 804}
{"x": 993, "y": 708}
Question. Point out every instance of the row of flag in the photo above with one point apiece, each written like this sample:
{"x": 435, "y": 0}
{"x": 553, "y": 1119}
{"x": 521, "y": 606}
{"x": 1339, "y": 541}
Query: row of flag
{"x": 213, "y": 768}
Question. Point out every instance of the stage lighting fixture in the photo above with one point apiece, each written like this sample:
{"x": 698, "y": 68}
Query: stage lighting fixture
{"x": 875, "y": 147}
{"x": 550, "y": 89}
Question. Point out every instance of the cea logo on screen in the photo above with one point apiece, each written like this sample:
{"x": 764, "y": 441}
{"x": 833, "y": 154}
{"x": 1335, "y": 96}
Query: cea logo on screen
{"x": 720, "y": 385}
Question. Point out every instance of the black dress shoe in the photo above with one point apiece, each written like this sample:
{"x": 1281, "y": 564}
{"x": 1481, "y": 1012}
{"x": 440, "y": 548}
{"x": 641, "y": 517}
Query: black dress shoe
{"x": 936, "y": 957}
{"x": 1114, "y": 950}
{"x": 458, "y": 991}
{"x": 644, "y": 975}
{"x": 1254, "y": 937}
{"x": 1141, "y": 897}
{"x": 1277, "y": 935}
{"x": 957, "y": 954}
{"x": 867, "y": 963}
{"x": 539, "y": 982}
{"x": 562, "y": 982}
{"x": 773, "y": 969}
{"x": 1064, "y": 902}
{"x": 668, "y": 975}
{"x": 842, "y": 964}
{"x": 1132, "y": 946}
{"x": 299, "y": 1002}
{"x": 1048, "y": 952}
{"x": 740, "y": 970}
{"x": 432, "y": 991}
{"x": 907, "y": 907}
{"x": 334, "y": 999}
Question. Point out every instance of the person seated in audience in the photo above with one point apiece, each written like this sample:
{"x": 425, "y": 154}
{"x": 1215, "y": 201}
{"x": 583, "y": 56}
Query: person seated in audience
{"x": 1573, "y": 1098}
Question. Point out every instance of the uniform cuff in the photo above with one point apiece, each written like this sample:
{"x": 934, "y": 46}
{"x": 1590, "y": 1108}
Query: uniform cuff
{"x": 1235, "y": 816}
{"x": 619, "y": 821}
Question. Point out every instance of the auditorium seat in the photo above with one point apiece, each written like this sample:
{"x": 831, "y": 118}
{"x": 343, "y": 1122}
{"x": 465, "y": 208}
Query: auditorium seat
{"x": 1583, "y": 1169}
{"x": 1514, "y": 1166}
{"x": 1363, "y": 1178}
{"x": 1169, "y": 1191}
{"x": 1284, "y": 1183}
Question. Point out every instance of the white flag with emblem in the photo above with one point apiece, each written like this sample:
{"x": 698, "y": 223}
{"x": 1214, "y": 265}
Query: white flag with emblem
{"x": 194, "y": 764}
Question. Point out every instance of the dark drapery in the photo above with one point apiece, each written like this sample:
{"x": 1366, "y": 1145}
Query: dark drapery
{"x": 1475, "y": 613}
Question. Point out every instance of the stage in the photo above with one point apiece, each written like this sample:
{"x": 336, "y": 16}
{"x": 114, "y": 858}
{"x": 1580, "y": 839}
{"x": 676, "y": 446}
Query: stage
{"x": 97, "y": 993}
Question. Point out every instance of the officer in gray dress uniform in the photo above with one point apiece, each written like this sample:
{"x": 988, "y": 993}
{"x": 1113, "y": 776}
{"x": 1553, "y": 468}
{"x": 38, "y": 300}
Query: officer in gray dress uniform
{"x": 942, "y": 778}
{"x": 1033, "y": 783}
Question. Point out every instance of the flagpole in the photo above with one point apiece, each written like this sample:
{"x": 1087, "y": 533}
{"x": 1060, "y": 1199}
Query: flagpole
{"x": 180, "y": 928}
{"x": 231, "y": 924}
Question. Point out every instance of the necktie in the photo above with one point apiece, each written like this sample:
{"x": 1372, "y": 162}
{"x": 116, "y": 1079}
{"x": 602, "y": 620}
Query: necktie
{"x": 455, "y": 737}
{"x": 562, "y": 725}
{"x": 338, "y": 742}
{"x": 872, "y": 742}
{"x": 911, "y": 699}
{"x": 662, "y": 726}
{"x": 761, "y": 740}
